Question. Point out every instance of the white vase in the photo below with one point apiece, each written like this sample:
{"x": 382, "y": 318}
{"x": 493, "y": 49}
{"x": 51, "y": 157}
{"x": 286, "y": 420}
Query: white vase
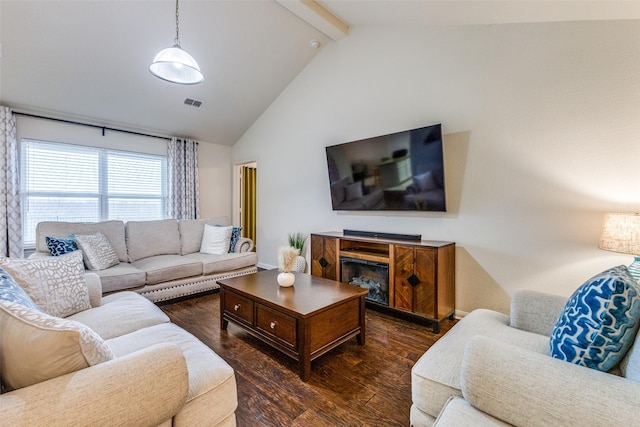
{"x": 286, "y": 279}
{"x": 300, "y": 264}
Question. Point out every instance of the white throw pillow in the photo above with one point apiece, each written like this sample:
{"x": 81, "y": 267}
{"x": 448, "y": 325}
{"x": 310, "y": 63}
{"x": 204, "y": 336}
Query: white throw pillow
{"x": 35, "y": 347}
{"x": 56, "y": 284}
{"x": 216, "y": 240}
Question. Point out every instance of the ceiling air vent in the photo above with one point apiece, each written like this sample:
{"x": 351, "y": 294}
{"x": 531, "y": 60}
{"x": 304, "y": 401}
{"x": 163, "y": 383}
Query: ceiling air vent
{"x": 193, "y": 102}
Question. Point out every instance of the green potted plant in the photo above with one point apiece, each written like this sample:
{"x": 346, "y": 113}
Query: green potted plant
{"x": 297, "y": 241}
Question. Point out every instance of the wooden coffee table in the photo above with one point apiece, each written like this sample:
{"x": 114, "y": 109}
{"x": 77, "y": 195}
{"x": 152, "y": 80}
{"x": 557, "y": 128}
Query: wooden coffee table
{"x": 304, "y": 321}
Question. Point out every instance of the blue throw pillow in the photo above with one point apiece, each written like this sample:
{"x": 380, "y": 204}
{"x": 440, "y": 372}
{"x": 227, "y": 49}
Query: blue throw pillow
{"x": 235, "y": 235}
{"x": 599, "y": 322}
{"x": 11, "y": 291}
{"x": 61, "y": 245}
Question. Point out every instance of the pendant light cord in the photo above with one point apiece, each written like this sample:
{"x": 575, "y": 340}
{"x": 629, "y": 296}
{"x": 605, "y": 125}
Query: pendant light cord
{"x": 177, "y": 40}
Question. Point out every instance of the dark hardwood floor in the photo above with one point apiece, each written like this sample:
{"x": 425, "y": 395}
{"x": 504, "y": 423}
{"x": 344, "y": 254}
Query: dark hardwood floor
{"x": 351, "y": 385}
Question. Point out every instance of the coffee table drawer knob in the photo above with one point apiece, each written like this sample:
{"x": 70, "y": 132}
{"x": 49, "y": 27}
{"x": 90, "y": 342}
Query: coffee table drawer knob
{"x": 236, "y": 307}
{"x": 273, "y": 324}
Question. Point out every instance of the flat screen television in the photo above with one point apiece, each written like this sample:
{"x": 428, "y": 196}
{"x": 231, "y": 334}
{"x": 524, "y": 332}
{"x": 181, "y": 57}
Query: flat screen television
{"x": 403, "y": 171}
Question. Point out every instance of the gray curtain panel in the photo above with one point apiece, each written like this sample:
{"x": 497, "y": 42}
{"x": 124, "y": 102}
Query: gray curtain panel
{"x": 182, "y": 163}
{"x": 10, "y": 213}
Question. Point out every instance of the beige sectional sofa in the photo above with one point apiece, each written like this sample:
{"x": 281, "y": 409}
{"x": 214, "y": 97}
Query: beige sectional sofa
{"x": 158, "y": 259}
{"x": 493, "y": 369}
{"x": 158, "y": 374}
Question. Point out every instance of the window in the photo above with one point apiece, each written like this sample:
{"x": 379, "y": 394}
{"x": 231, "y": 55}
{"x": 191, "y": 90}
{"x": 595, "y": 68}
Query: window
{"x": 64, "y": 182}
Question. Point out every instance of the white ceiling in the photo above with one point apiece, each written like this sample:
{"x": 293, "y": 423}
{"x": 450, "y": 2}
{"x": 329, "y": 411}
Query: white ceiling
{"x": 88, "y": 60}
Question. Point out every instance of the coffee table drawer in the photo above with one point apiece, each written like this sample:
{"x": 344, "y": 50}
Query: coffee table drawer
{"x": 277, "y": 325}
{"x": 239, "y": 306}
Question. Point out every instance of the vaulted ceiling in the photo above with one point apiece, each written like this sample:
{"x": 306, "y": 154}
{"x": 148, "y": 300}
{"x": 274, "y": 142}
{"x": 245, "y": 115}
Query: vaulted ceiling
{"x": 88, "y": 60}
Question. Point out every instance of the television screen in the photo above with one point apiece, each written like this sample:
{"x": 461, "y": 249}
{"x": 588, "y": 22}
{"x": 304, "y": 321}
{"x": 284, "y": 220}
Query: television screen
{"x": 402, "y": 171}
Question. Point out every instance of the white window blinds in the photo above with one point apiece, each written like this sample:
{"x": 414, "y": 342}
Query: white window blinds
{"x": 64, "y": 182}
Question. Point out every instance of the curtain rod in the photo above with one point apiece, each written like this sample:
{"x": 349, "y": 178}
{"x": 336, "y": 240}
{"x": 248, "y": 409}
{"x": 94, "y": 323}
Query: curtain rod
{"x": 104, "y": 128}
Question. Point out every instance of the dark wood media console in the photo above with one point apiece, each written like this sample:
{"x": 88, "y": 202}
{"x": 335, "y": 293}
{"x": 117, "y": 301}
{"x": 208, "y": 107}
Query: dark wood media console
{"x": 421, "y": 274}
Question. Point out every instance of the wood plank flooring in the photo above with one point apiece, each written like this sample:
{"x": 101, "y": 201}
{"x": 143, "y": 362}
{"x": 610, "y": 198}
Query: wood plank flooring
{"x": 351, "y": 385}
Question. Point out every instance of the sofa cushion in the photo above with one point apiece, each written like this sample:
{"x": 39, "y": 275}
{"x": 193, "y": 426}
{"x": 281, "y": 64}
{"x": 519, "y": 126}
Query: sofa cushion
{"x": 212, "y": 264}
{"x": 191, "y": 231}
{"x": 458, "y": 412}
{"x": 435, "y": 377}
{"x": 120, "y": 277}
{"x": 149, "y": 238}
{"x": 12, "y": 292}
{"x": 212, "y": 388}
{"x": 97, "y": 251}
{"x": 121, "y": 313}
{"x": 56, "y": 284}
{"x": 61, "y": 245}
{"x": 113, "y": 230}
{"x": 599, "y": 322}
{"x": 163, "y": 268}
{"x": 216, "y": 240}
{"x": 35, "y": 347}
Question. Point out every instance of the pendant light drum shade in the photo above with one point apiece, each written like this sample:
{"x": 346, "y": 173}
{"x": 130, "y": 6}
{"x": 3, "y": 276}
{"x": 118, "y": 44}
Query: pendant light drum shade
{"x": 176, "y": 66}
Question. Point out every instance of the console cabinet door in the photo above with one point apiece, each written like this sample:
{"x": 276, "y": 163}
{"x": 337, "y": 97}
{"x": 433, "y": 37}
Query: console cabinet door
{"x": 415, "y": 280}
{"x": 324, "y": 257}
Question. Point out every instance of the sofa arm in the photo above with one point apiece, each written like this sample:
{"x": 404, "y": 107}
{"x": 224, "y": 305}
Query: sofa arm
{"x": 522, "y": 387}
{"x": 244, "y": 244}
{"x": 95, "y": 289}
{"x": 144, "y": 388}
{"x": 535, "y": 312}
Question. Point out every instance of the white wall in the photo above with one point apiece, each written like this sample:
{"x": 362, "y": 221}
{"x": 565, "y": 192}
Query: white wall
{"x": 215, "y": 179}
{"x": 542, "y": 133}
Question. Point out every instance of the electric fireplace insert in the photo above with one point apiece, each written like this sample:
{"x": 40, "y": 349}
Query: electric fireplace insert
{"x": 370, "y": 275}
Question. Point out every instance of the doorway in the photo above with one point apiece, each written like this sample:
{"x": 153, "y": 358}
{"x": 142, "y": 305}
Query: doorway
{"x": 246, "y": 197}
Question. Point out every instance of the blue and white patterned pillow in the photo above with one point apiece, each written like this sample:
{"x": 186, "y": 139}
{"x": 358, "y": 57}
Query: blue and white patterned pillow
{"x": 599, "y": 322}
{"x": 235, "y": 235}
{"x": 61, "y": 245}
{"x": 11, "y": 291}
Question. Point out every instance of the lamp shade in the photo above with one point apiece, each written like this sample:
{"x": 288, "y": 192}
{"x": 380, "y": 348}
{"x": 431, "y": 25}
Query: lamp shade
{"x": 176, "y": 66}
{"x": 621, "y": 233}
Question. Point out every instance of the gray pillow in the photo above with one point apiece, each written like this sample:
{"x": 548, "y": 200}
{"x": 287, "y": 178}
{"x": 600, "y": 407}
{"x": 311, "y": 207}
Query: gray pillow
{"x": 97, "y": 251}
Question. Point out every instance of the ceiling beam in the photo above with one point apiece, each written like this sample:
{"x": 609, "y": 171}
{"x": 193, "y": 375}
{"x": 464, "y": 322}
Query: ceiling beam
{"x": 319, "y": 17}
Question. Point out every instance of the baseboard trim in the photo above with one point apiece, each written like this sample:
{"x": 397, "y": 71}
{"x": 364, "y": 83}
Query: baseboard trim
{"x": 460, "y": 314}
{"x": 266, "y": 266}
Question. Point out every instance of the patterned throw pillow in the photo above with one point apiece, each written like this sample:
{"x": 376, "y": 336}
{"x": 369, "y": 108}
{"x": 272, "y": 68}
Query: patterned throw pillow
{"x": 599, "y": 322}
{"x": 37, "y": 347}
{"x": 55, "y": 284}
{"x": 12, "y": 292}
{"x": 235, "y": 235}
{"x": 61, "y": 245}
{"x": 98, "y": 252}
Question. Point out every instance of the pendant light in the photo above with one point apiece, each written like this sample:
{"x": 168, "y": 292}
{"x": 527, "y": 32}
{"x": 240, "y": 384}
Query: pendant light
{"x": 175, "y": 65}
